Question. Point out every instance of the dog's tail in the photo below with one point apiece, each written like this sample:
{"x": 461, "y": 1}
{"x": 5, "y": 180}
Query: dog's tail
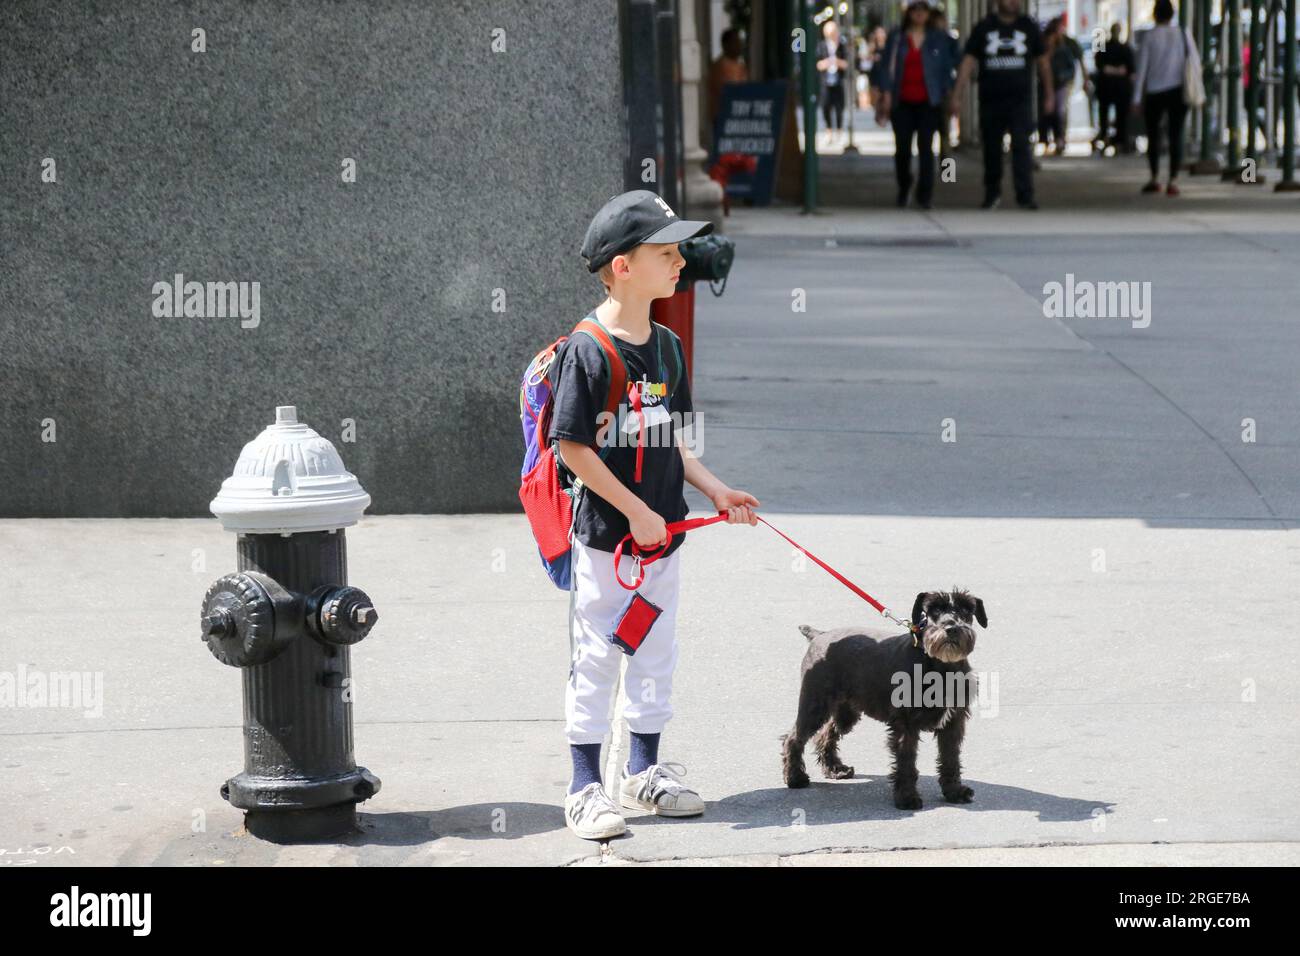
{"x": 808, "y": 631}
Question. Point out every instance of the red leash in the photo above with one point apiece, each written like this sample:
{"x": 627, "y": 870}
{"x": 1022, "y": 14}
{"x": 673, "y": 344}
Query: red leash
{"x": 641, "y": 559}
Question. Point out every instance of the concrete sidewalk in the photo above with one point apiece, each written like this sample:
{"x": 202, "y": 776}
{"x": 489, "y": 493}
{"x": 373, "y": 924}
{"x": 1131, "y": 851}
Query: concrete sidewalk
{"x": 1121, "y": 714}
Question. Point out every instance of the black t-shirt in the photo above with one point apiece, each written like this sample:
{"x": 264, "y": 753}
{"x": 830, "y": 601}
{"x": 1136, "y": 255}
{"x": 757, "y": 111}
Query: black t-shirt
{"x": 580, "y": 383}
{"x": 1007, "y": 55}
{"x": 1115, "y": 55}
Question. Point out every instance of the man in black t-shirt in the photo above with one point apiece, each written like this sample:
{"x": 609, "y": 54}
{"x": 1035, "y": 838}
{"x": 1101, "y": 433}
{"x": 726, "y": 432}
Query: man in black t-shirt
{"x": 1008, "y": 48}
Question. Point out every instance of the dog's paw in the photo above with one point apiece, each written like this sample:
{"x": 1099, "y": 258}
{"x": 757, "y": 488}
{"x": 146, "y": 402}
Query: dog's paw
{"x": 797, "y": 781}
{"x": 907, "y": 801}
{"x": 959, "y": 795}
{"x": 840, "y": 772}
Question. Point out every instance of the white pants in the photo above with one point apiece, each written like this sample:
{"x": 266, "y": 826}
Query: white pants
{"x": 593, "y": 673}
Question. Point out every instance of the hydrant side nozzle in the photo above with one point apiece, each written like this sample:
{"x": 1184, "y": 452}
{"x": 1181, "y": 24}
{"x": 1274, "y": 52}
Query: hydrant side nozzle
{"x": 248, "y": 618}
{"x": 340, "y": 615}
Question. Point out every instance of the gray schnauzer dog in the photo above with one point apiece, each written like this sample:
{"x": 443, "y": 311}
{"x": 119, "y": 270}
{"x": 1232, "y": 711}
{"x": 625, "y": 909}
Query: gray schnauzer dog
{"x": 847, "y": 674}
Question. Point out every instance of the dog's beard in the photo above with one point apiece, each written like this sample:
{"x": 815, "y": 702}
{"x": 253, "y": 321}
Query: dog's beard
{"x": 943, "y": 648}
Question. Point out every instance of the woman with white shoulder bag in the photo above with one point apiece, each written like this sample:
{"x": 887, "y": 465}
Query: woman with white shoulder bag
{"x": 1168, "y": 82}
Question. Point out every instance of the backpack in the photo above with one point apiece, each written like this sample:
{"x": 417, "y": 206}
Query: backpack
{"x": 548, "y": 490}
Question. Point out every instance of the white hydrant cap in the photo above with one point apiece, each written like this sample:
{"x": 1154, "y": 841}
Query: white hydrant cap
{"x": 289, "y": 479}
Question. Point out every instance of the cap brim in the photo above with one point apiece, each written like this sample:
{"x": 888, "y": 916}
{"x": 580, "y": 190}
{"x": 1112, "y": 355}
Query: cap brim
{"x": 680, "y": 231}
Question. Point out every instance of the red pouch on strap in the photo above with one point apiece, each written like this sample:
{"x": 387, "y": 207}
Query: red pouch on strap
{"x": 634, "y": 623}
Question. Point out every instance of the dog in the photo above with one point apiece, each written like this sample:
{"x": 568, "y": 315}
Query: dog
{"x": 846, "y": 674}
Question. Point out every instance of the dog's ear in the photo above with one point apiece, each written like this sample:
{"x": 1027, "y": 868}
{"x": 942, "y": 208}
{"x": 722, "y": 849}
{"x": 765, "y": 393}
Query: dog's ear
{"x": 979, "y": 613}
{"x": 918, "y": 607}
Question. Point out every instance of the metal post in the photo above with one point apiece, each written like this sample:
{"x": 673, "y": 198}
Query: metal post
{"x": 644, "y": 161}
{"x": 808, "y": 88}
{"x": 1269, "y": 122}
{"x": 1232, "y": 10}
{"x": 1207, "y": 163}
{"x": 968, "y": 119}
{"x": 1191, "y": 141}
{"x": 1272, "y": 15}
{"x": 851, "y": 77}
{"x": 1288, "y": 183}
{"x": 1252, "y": 93}
{"x": 668, "y": 43}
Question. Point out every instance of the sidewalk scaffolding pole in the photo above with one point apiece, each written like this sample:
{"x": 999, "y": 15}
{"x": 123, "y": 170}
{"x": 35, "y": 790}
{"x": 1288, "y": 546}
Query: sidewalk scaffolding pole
{"x": 1288, "y": 183}
{"x": 288, "y": 621}
{"x": 808, "y": 88}
{"x": 851, "y": 75}
{"x": 1232, "y": 170}
{"x": 1256, "y": 76}
{"x": 1192, "y": 134}
{"x": 1272, "y": 24}
{"x": 1208, "y": 162}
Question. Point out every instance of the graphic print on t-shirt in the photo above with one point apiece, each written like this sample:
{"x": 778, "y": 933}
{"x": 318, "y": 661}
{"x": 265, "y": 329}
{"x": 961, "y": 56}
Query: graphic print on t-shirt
{"x": 652, "y": 406}
{"x": 1006, "y": 53}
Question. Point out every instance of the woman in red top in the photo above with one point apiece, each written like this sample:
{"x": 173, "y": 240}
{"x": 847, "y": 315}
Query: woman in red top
{"x": 916, "y": 77}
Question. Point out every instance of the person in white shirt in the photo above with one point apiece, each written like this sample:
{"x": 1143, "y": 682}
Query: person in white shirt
{"x": 1158, "y": 90}
{"x": 832, "y": 66}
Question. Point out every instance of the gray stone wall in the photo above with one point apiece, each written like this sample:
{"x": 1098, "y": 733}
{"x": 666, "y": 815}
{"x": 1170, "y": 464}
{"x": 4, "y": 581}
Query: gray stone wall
{"x": 476, "y": 171}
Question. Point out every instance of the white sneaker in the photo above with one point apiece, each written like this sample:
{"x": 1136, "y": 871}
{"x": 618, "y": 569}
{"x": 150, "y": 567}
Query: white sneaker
{"x": 590, "y": 814}
{"x": 657, "y": 791}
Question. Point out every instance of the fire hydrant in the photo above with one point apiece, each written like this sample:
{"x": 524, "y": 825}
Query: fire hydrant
{"x": 287, "y": 619}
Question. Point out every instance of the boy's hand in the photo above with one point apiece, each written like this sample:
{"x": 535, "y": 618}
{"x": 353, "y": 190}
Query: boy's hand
{"x": 737, "y": 505}
{"x": 649, "y": 530}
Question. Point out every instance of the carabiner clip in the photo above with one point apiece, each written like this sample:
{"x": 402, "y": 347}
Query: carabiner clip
{"x": 639, "y": 560}
{"x": 638, "y": 572}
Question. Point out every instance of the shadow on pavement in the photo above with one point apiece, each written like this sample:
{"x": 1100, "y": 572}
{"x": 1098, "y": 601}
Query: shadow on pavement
{"x": 475, "y": 821}
{"x": 869, "y": 798}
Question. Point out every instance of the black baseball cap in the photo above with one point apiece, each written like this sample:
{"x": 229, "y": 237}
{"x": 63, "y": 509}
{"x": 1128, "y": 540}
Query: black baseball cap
{"x": 630, "y": 219}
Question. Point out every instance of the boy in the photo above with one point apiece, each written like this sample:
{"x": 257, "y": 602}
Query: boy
{"x": 632, "y": 243}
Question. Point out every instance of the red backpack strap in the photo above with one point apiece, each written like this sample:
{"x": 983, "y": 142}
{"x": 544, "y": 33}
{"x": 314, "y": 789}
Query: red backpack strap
{"x": 613, "y": 362}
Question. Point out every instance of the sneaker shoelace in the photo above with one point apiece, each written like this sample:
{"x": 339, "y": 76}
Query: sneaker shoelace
{"x": 660, "y": 779}
{"x": 592, "y": 803}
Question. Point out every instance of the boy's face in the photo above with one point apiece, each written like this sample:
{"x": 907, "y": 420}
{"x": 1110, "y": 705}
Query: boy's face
{"x": 651, "y": 269}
